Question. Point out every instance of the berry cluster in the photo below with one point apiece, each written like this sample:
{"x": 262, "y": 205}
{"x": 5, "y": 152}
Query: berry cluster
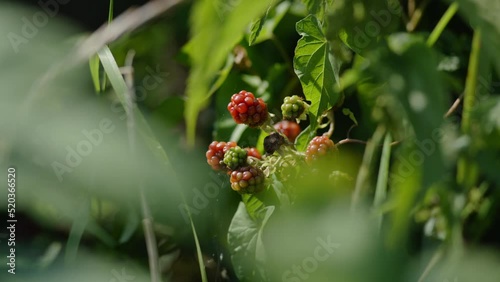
{"x": 229, "y": 157}
{"x": 247, "y": 109}
{"x": 245, "y": 165}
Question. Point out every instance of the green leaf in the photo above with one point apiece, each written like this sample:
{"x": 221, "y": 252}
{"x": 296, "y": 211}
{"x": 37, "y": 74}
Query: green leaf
{"x": 260, "y": 141}
{"x": 263, "y": 28}
{"x": 255, "y": 30}
{"x": 304, "y": 138}
{"x": 257, "y": 203}
{"x": 317, "y": 7}
{"x": 222, "y": 75}
{"x": 246, "y": 246}
{"x": 483, "y": 14}
{"x": 316, "y": 68}
{"x": 217, "y": 28}
{"x": 253, "y": 204}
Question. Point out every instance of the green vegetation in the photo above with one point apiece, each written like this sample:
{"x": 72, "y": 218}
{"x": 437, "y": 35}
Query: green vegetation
{"x": 239, "y": 140}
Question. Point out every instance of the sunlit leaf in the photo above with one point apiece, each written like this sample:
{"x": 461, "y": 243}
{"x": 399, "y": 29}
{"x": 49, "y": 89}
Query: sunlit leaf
{"x": 316, "y": 68}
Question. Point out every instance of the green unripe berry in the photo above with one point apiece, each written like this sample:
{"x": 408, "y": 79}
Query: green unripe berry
{"x": 235, "y": 157}
{"x": 293, "y": 107}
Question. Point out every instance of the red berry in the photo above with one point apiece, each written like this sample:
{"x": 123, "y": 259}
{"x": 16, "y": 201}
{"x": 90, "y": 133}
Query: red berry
{"x": 318, "y": 147}
{"x": 253, "y": 152}
{"x": 247, "y": 180}
{"x": 288, "y": 128}
{"x": 215, "y": 154}
{"x": 247, "y": 109}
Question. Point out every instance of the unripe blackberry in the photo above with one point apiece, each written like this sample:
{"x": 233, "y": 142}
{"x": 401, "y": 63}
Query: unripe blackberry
{"x": 247, "y": 109}
{"x": 235, "y": 157}
{"x": 294, "y": 107}
{"x": 215, "y": 154}
{"x": 247, "y": 180}
{"x": 319, "y": 147}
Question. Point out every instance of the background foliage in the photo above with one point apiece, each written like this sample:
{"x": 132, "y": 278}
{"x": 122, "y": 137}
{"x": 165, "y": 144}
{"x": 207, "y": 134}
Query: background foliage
{"x": 415, "y": 87}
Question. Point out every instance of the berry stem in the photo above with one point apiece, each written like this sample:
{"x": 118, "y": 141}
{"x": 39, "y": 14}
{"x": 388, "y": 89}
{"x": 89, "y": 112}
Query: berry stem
{"x": 357, "y": 141}
{"x": 331, "y": 118}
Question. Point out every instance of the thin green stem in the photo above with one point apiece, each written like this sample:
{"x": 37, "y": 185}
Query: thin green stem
{"x": 331, "y": 118}
{"x": 111, "y": 9}
{"x": 467, "y": 172}
{"x": 443, "y": 22}
{"x": 471, "y": 81}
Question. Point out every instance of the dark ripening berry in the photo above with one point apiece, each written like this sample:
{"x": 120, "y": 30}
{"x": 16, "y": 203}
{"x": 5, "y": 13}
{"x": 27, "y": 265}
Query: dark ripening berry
{"x": 247, "y": 180}
{"x": 235, "y": 157}
{"x": 290, "y": 129}
{"x": 318, "y": 147}
{"x": 253, "y": 152}
{"x": 247, "y": 109}
{"x": 273, "y": 142}
{"x": 215, "y": 154}
{"x": 293, "y": 107}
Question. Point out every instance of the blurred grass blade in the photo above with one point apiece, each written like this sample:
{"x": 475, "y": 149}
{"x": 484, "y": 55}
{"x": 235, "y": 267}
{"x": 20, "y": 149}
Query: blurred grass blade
{"x": 467, "y": 171}
{"x": 383, "y": 174}
{"x": 77, "y": 230}
{"x": 111, "y": 10}
{"x": 95, "y": 63}
{"x": 363, "y": 179}
{"x": 131, "y": 225}
{"x": 121, "y": 89}
{"x": 443, "y": 22}
{"x": 94, "y": 72}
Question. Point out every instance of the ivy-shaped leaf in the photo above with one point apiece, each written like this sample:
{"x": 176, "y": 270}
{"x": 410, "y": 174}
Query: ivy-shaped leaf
{"x": 314, "y": 65}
